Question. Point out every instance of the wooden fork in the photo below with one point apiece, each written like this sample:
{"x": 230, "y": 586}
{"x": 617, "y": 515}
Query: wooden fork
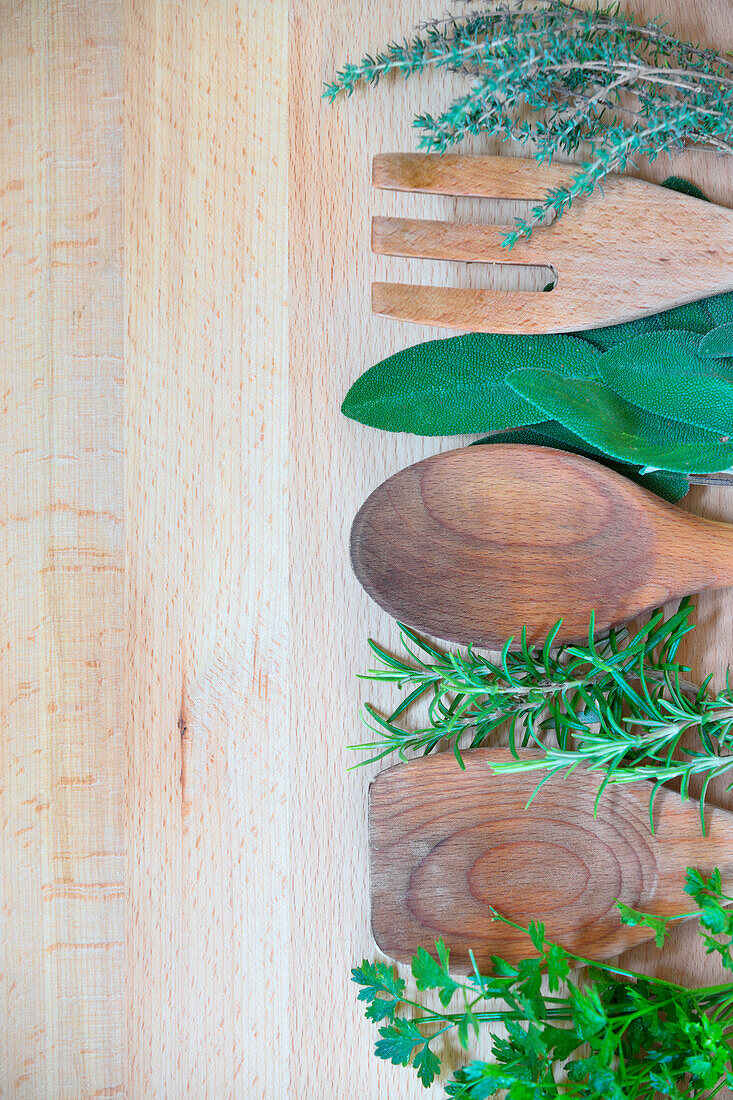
{"x": 631, "y": 250}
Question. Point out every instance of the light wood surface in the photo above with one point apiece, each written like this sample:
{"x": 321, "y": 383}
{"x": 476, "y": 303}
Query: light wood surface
{"x": 449, "y": 840}
{"x": 626, "y": 251}
{"x": 479, "y": 543}
{"x": 206, "y": 968}
{"x": 148, "y": 668}
{"x": 63, "y": 626}
{"x": 143, "y": 637}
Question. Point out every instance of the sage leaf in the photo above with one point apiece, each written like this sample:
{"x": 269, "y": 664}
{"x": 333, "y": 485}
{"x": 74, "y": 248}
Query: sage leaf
{"x": 693, "y": 317}
{"x": 663, "y": 374}
{"x": 624, "y": 431}
{"x": 603, "y": 338}
{"x": 669, "y": 486}
{"x": 447, "y": 387}
{"x": 720, "y": 308}
{"x": 718, "y": 343}
{"x": 684, "y": 187}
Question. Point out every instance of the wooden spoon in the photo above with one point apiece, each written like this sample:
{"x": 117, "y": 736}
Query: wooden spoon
{"x": 471, "y": 545}
{"x": 447, "y": 844}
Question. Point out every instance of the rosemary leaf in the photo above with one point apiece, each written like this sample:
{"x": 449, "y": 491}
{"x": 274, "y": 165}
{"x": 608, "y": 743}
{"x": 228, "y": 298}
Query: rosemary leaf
{"x": 620, "y": 705}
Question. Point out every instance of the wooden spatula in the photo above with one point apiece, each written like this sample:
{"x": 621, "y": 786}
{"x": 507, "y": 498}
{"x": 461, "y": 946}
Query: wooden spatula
{"x": 473, "y": 544}
{"x": 446, "y": 845}
{"x": 631, "y": 250}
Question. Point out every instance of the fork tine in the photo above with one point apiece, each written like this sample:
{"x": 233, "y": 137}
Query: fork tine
{"x": 481, "y": 310}
{"x": 480, "y": 177}
{"x": 435, "y": 240}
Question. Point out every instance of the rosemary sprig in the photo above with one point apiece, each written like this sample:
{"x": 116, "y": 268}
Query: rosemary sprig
{"x": 620, "y": 705}
{"x": 623, "y": 1035}
{"x": 553, "y": 75}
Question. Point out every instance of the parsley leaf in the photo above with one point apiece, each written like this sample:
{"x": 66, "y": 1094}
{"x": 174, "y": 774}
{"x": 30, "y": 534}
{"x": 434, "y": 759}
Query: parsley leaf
{"x": 715, "y": 916}
{"x": 634, "y": 917}
{"x": 398, "y": 1042}
{"x": 377, "y": 979}
{"x": 427, "y": 1065}
{"x": 430, "y": 974}
{"x": 616, "y": 1036}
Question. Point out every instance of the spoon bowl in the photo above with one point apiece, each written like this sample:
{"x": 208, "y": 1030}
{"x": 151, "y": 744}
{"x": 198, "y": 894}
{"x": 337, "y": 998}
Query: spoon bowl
{"x": 474, "y": 544}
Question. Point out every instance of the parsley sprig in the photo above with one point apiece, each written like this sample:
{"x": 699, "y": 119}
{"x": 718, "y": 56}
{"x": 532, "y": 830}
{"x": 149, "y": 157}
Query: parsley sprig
{"x": 621, "y": 705}
{"x": 621, "y": 1035}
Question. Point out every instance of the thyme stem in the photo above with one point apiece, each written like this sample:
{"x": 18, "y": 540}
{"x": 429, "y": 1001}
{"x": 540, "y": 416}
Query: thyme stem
{"x": 555, "y": 76}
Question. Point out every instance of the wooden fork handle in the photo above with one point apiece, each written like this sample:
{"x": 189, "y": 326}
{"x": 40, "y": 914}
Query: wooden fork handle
{"x": 477, "y": 177}
{"x": 436, "y": 240}
{"x": 510, "y": 311}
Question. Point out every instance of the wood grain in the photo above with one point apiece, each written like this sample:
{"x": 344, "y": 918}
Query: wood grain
{"x": 246, "y": 866}
{"x": 475, "y": 544}
{"x": 62, "y": 634}
{"x": 448, "y": 842}
{"x": 206, "y": 968}
{"x": 473, "y": 177}
{"x": 336, "y": 464}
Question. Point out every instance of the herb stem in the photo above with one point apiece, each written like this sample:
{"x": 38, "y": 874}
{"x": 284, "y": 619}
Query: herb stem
{"x": 619, "y": 706}
{"x": 525, "y": 59}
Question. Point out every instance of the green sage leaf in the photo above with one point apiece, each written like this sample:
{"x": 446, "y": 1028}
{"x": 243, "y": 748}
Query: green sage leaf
{"x": 624, "y": 431}
{"x": 720, "y": 308}
{"x": 693, "y": 317}
{"x": 663, "y": 374}
{"x": 718, "y": 343}
{"x": 609, "y": 337}
{"x": 447, "y": 387}
{"x": 685, "y": 187}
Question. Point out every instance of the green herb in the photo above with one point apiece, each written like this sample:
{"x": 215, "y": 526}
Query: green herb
{"x": 718, "y": 343}
{"x": 693, "y": 317}
{"x": 596, "y": 413}
{"x": 621, "y": 706}
{"x": 684, "y": 187}
{"x": 663, "y": 374}
{"x": 457, "y": 385}
{"x": 716, "y": 918}
{"x": 660, "y": 396}
{"x": 554, "y": 76}
{"x": 720, "y": 308}
{"x": 621, "y": 1035}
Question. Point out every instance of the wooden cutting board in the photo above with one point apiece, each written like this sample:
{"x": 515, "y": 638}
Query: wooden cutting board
{"x": 142, "y": 799}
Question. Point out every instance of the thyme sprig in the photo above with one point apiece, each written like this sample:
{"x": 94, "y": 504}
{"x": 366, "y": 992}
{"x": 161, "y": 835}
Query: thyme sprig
{"x": 622, "y": 1035}
{"x": 621, "y": 705}
{"x": 552, "y": 75}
